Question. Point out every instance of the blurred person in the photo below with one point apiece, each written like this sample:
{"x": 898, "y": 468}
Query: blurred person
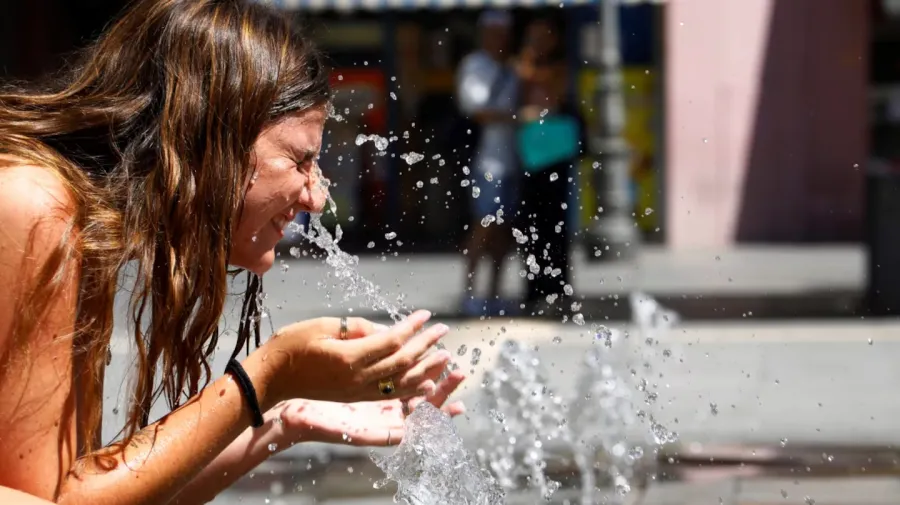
{"x": 549, "y": 140}
{"x": 183, "y": 144}
{"x": 487, "y": 91}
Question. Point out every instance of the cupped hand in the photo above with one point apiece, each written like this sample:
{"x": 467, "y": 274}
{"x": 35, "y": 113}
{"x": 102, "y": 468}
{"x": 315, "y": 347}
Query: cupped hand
{"x": 309, "y": 360}
{"x": 377, "y": 423}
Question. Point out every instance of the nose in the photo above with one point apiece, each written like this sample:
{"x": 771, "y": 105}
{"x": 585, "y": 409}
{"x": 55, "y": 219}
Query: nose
{"x": 312, "y": 198}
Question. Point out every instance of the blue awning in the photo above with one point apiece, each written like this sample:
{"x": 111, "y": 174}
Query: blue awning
{"x": 382, "y": 5}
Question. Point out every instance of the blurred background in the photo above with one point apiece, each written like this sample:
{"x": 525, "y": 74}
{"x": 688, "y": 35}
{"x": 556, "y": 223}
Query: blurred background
{"x": 761, "y": 204}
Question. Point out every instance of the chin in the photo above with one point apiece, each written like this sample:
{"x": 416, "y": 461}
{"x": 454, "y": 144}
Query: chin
{"x": 259, "y": 264}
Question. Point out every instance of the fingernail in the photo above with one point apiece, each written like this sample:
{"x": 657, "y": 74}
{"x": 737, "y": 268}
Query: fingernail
{"x": 441, "y": 328}
{"x": 426, "y": 314}
{"x": 444, "y": 355}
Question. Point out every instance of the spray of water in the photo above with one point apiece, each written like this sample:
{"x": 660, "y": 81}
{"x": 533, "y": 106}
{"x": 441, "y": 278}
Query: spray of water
{"x": 432, "y": 466}
{"x": 525, "y": 416}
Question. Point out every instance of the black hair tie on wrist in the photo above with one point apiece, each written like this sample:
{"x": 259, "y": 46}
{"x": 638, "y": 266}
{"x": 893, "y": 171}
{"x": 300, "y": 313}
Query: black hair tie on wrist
{"x": 243, "y": 380}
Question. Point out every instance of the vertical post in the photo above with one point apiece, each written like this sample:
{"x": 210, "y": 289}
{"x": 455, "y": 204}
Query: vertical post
{"x": 613, "y": 234}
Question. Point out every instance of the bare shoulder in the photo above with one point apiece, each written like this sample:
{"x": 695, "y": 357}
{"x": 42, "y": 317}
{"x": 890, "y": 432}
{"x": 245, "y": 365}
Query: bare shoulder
{"x": 34, "y": 204}
{"x": 35, "y": 349}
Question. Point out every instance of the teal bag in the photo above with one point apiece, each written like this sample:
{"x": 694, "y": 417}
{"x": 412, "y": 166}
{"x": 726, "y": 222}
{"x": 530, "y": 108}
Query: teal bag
{"x": 544, "y": 143}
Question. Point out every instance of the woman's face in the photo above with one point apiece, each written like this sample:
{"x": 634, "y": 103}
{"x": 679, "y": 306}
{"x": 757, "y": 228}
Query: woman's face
{"x": 284, "y": 181}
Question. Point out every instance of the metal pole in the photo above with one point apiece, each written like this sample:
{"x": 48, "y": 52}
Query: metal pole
{"x": 613, "y": 234}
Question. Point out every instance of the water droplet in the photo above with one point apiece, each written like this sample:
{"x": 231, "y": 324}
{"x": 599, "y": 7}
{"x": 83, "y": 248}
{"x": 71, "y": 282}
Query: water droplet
{"x": 783, "y": 442}
{"x": 476, "y": 356}
{"x": 371, "y": 245}
{"x": 488, "y": 176}
{"x": 870, "y": 341}
{"x": 412, "y": 158}
{"x": 554, "y": 176}
{"x": 391, "y": 235}
{"x": 568, "y": 290}
{"x": 420, "y": 184}
{"x": 393, "y": 95}
{"x": 713, "y": 409}
{"x": 462, "y": 350}
{"x": 809, "y": 501}
{"x": 487, "y": 220}
{"x": 578, "y": 319}
{"x": 648, "y": 211}
{"x": 557, "y": 340}
{"x": 253, "y": 238}
{"x": 476, "y": 191}
{"x": 273, "y": 447}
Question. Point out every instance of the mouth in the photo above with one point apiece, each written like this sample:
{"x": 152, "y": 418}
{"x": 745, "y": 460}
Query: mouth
{"x": 280, "y": 223}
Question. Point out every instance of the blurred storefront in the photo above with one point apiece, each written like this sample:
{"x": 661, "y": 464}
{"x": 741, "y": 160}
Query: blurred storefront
{"x": 414, "y": 50}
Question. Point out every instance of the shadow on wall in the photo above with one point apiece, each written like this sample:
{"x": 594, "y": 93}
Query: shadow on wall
{"x": 805, "y": 174}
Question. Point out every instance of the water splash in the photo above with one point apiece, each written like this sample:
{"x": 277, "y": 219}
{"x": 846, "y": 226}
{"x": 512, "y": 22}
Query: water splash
{"x": 524, "y": 416}
{"x": 653, "y": 322}
{"x": 432, "y": 466}
{"x": 600, "y": 417}
{"x": 346, "y": 266}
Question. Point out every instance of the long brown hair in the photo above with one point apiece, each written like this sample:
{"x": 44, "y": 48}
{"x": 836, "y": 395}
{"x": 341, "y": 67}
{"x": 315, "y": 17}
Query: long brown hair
{"x": 152, "y": 134}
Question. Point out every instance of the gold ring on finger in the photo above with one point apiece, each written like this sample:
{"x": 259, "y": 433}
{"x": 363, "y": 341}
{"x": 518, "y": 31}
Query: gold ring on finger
{"x": 344, "y": 328}
{"x": 386, "y": 387}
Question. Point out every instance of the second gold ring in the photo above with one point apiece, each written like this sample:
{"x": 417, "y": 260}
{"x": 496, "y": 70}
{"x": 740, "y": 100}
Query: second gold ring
{"x": 386, "y": 387}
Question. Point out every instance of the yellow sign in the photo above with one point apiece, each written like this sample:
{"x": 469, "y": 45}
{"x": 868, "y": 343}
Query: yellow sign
{"x": 640, "y": 132}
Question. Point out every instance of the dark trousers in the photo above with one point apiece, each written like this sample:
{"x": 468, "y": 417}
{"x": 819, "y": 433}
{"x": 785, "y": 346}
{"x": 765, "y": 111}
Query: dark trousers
{"x": 541, "y": 211}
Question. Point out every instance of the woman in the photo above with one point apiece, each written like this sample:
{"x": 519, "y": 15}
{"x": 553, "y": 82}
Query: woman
{"x": 549, "y": 141}
{"x": 185, "y": 143}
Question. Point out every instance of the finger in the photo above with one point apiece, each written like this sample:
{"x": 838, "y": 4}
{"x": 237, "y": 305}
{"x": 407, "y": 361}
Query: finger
{"x": 385, "y": 343}
{"x": 357, "y": 327}
{"x": 443, "y": 390}
{"x": 408, "y": 354}
{"x": 454, "y": 409}
{"x": 429, "y": 368}
{"x": 446, "y": 388}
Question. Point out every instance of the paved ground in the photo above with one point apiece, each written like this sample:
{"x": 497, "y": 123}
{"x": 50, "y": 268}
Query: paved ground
{"x": 728, "y": 491}
{"x": 812, "y": 281}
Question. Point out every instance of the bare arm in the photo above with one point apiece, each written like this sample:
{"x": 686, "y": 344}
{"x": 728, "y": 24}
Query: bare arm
{"x": 167, "y": 455}
{"x": 247, "y": 451}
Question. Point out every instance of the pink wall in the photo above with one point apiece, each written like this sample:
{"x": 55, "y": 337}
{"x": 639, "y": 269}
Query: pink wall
{"x": 766, "y": 117}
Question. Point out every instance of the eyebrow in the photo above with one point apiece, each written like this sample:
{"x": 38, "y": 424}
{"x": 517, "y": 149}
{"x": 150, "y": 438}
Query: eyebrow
{"x": 303, "y": 153}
